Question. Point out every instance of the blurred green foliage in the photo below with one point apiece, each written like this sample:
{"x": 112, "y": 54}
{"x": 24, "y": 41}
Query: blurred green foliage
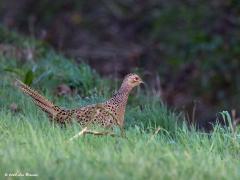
{"x": 44, "y": 66}
{"x": 194, "y": 46}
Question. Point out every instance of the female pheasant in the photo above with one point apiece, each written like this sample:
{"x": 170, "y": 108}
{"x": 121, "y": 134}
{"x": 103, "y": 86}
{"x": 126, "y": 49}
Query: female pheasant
{"x": 107, "y": 114}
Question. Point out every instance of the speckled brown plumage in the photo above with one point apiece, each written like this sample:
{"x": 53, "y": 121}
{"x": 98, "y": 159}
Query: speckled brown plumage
{"x": 107, "y": 114}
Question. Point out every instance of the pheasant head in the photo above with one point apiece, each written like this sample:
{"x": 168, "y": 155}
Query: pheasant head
{"x": 130, "y": 81}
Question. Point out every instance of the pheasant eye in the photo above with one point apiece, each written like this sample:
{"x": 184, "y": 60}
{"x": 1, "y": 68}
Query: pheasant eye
{"x": 136, "y": 78}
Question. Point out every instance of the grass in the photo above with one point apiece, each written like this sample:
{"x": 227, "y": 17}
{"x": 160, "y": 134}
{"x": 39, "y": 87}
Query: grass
{"x": 29, "y": 143}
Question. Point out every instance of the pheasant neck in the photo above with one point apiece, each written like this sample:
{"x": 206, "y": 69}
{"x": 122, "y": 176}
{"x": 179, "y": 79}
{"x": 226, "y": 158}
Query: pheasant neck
{"x": 121, "y": 97}
{"x": 119, "y": 100}
{"x": 124, "y": 89}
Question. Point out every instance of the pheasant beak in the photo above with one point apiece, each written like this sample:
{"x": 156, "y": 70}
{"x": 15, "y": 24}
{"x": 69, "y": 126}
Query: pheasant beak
{"x": 142, "y": 82}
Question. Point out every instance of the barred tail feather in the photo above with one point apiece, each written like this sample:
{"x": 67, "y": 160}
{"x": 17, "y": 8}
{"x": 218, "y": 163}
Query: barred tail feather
{"x": 46, "y": 105}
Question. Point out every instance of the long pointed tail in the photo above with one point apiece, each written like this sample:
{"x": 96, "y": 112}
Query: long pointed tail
{"x": 39, "y": 100}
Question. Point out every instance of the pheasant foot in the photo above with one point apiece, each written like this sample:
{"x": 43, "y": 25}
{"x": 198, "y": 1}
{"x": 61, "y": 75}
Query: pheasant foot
{"x": 96, "y": 133}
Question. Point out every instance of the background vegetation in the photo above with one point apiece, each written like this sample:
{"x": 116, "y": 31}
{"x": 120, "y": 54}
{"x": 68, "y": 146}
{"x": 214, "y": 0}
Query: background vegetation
{"x": 188, "y": 51}
{"x": 76, "y": 52}
{"x": 159, "y": 146}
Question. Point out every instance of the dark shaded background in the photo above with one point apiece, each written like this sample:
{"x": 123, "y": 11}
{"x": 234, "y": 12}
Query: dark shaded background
{"x": 187, "y": 51}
